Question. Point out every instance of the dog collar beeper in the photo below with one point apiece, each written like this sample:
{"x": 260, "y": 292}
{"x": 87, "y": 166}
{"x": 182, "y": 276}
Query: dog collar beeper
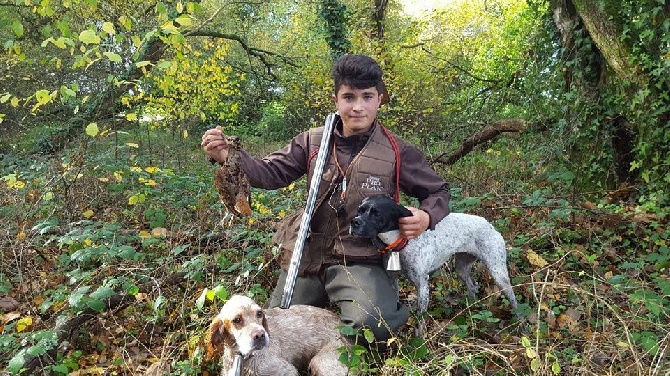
{"x": 393, "y": 264}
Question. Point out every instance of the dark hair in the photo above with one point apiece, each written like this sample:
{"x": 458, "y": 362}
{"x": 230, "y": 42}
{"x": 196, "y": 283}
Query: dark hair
{"x": 358, "y": 71}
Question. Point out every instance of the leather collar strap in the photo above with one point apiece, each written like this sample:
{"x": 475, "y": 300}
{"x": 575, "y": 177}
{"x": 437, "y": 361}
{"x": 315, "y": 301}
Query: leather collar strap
{"x": 397, "y": 245}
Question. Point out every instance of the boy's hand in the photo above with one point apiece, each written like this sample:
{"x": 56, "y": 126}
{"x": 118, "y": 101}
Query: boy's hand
{"x": 215, "y": 145}
{"x": 412, "y": 227}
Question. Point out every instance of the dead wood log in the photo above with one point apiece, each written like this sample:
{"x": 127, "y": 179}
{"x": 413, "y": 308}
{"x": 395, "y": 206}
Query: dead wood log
{"x": 487, "y": 133}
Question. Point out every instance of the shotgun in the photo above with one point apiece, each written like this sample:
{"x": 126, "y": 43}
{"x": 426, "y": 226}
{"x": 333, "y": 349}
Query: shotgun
{"x": 324, "y": 149}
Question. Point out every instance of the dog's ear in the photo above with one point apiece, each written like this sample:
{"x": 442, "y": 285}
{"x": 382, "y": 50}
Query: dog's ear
{"x": 403, "y": 211}
{"x": 214, "y": 340}
{"x": 218, "y": 338}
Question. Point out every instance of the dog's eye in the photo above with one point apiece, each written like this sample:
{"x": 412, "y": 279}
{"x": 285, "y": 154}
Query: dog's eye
{"x": 259, "y": 314}
{"x": 237, "y": 320}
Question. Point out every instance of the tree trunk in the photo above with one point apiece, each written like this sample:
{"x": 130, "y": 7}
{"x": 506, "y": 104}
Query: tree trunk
{"x": 623, "y": 142}
{"x": 571, "y": 17}
{"x": 606, "y": 35}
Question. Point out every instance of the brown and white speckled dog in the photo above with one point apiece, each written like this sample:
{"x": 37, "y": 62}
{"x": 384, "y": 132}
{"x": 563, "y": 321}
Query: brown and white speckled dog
{"x": 276, "y": 341}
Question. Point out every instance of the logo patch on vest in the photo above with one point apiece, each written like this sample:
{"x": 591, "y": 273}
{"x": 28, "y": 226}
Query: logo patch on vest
{"x": 372, "y": 183}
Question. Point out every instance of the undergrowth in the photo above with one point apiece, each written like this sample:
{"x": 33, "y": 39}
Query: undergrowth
{"x": 126, "y": 234}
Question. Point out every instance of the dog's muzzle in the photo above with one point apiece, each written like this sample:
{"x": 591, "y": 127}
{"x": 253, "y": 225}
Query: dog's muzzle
{"x": 356, "y": 226}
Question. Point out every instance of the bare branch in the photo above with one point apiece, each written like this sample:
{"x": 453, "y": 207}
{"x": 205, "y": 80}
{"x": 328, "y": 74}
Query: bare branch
{"x": 487, "y": 133}
{"x": 259, "y": 53}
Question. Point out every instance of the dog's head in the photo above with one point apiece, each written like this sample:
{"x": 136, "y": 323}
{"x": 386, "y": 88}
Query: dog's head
{"x": 240, "y": 325}
{"x": 377, "y": 214}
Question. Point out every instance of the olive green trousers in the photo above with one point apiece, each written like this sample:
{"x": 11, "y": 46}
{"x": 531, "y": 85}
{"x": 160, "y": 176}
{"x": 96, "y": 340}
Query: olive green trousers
{"x": 366, "y": 295}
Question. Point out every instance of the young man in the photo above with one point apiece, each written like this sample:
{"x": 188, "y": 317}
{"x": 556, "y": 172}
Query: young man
{"x": 335, "y": 266}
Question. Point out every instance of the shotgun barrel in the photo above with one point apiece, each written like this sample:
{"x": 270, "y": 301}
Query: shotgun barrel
{"x": 324, "y": 149}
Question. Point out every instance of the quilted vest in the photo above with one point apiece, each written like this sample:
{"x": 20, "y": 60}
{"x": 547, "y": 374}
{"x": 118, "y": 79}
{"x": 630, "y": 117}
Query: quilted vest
{"x": 371, "y": 173}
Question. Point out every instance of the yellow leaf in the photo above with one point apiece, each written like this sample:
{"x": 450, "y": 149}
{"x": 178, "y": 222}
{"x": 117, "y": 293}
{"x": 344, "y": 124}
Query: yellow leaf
{"x": 87, "y": 242}
{"x": 536, "y": 260}
{"x": 118, "y": 175}
{"x": 88, "y": 213}
{"x": 282, "y": 214}
{"x": 185, "y": 133}
{"x": 108, "y": 27}
{"x": 89, "y": 37}
{"x": 210, "y": 295}
{"x": 132, "y": 145}
{"x": 152, "y": 170}
{"x": 21, "y": 235}
{"x": 131, "y": 116}
{"x": 251, "y": 220}
{"x": 92, "y": 129}
{"x": 24, "y": 323}
{"x": 136, "y": 199}
{"x": 159, "y": 232}
{"x": 530, "y": 353}
{"x": 14, "y": 102}
{"x": 104, "y": 180}
{"x": 145, "y": 234}
{"x": 535, "y": 364}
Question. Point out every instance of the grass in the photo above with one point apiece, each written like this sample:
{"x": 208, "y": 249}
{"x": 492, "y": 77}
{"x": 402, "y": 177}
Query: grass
{"x": 123, "y": 212}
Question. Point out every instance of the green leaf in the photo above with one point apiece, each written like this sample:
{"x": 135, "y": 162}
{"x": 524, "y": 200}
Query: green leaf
{"x": 89, "y": 37}
{"x": 66, "y": 92}
{"x": 221, "y": 292}
{"x": 62, "y": 368}
{"x": 184, "y": 20}
{"x": 97, "y": 305}
{"x": 17, "y": 28}
{"x": 556, "y": 368}
{"x": 369, "y": 335}
{"x": 158, "y": 303}
{"x": 16, "y": 363}
{"x": 92, "y": 129}
{"x": 77, "y": 295}
{"x": 113, "y": 57}
{"x": 200, "y": 302}
{"x": 60, "y": 43}
{"x": 169, "y": 27}
{"x": 142, "y": 63}
{"x": 164, "y": 64}
{"x": 125, "y": 22}
{"x": 103, "y": 292}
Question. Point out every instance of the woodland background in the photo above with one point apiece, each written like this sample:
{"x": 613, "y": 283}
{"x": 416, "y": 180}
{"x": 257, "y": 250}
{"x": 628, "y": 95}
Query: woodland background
{"x": 550, "y": 118}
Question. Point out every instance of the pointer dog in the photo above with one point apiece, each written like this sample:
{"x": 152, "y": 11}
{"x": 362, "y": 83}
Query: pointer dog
{"x": 276, "y": 341}
{"x": 464, "y": 236}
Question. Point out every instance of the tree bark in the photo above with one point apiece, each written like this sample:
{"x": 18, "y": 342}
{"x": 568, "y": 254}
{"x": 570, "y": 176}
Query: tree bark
{"x": 488, "y": 133}
{"x": 606, "y": 35}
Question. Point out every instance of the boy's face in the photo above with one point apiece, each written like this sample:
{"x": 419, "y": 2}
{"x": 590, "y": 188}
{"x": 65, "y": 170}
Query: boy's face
{"x": 357, "y": 107}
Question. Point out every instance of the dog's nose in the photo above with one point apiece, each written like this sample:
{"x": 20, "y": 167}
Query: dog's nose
{"x": 259, "y": 339}
{"x": 356, "y": 222}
